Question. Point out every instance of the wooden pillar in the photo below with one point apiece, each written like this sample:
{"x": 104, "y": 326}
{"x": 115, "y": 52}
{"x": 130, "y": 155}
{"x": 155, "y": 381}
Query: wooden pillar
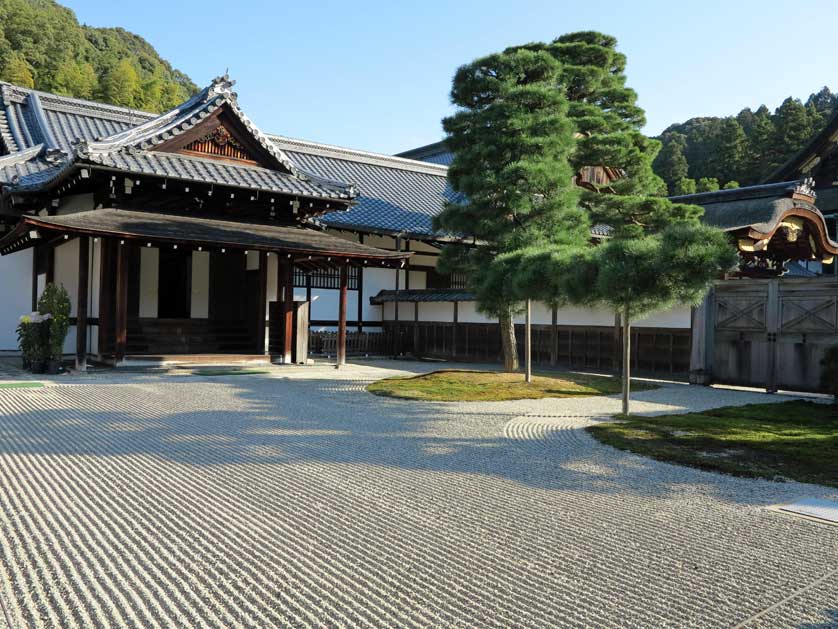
{"x": 618, "y": 346}
{"x": 454, "y": 329}
{"x": 361, "y": 291}
{"x": 262, "y": 302}
{"x": 416, "y": 328}
{"x": 34, "y": 278}
{"x": 341, "y": 349}
{"x": 554, "y": 337}
{"x": 81, "y": 304}
{"x": 285, "y": 292}
{"x": 626, "y": 374}
{"x": 121, "y": 307}
{"x": 397, "y": 344}
{"x": 106, "y": 294}
{"x": 528, "y": 343}
{"x": 50, "y": 265}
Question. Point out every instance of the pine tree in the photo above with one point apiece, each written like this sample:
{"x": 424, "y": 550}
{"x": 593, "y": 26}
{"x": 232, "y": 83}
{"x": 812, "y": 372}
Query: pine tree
{"x": 792, "y": 129}
{"x": 758, "y": 162}
{"x": 670, "y": 164}
{"x": 511, "y": 138}
{"x": 729, "y": 151}
{"x": 658, "y": 253}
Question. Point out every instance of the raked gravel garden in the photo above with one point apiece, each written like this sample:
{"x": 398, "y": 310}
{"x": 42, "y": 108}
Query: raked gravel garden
{"x": 296, "y": 498}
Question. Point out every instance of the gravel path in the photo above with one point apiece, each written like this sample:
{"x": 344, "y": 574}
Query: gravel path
{"x": 297, "y": 499}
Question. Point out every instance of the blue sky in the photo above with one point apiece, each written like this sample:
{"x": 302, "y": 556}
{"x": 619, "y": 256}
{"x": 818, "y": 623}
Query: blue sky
{"x": 376, "y": 75}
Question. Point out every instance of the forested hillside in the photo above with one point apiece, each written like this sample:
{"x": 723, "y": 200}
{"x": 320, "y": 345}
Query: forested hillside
{"x": 705, "y": 153}
{"x": 42, "y": 45}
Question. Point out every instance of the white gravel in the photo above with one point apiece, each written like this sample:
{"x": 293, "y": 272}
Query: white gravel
{"x": 298, "y": 499}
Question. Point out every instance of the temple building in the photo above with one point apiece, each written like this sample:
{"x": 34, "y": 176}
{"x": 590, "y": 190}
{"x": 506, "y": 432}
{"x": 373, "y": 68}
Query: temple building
{"x": 193, "y": 232}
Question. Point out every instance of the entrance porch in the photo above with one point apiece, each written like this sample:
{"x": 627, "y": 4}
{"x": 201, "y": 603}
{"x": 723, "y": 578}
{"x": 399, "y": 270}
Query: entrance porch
{"x": 152, "y": 285}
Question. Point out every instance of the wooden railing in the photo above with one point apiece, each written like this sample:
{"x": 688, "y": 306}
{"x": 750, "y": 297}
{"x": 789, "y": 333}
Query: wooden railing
{"x": 654, "y": 350}
{"x": 357, "y": 343}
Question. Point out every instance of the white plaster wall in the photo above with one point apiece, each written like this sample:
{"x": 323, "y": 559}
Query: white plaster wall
{"x": 675, "y": 317}
{"x": 66, "y": 271}
{"x": 430, "y": 311}
{"x": 16, "y": 271}
{"x": 149, "y": 281}
{"x": 376, "y": 280}
{"x": 252, "y": 260}
{"x": 199, "y": 306}
{"x": 467, "y": 313}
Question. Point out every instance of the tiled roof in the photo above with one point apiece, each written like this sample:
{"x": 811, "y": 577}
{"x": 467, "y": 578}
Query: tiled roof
{"x": 74, "y": 132}
{"x": 395, "y": 194}
{"x": 436, "y": 153}
{"x": 422, "y": 295}
{"x": 178, "y": 228}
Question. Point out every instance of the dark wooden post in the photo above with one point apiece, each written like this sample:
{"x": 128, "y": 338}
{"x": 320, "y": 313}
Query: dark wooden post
{"x": 81, "y": 304}
{"x": 454, "y": 329}
{"x": 121, "y": 314}
{"x": 35, "y": 278}
{"x": 106, "y": 294}
{"x": 528, "y": 343}
{"x": 360, "y": 291}
{"x": 416, "y": 328}
{"x": 262, "y": 302}
{"x": 341, "y": 349}
{"x": 554, "y": 338}
{"x": 397, "y": 345}
{"x": 285, "y": 292}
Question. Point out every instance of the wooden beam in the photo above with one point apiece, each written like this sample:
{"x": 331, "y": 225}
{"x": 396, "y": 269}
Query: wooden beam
{"x": 262, "y": 302}
{"x": 81, "y": 304}
{"x": 121, "y": 309}
{"x": 554, "y": 337}
{"x": 528, "y": 343}
{"x": 341, "y": 349}
{"x": 34, "y": 278}
{"x": 454, "y": 329}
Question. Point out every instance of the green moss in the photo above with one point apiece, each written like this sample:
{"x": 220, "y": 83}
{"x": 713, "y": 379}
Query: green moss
{"x": 796, "y": 440}
{"x": 475, "y": 386}
{"x": 21, "y": 385}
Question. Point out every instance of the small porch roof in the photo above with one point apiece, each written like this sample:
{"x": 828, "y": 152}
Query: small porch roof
{"x": 421, "y": 295}
{"x": 300, "y": 243}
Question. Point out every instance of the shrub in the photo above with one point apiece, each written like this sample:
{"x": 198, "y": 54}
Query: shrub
{"x": 829, "y": 372}
{"x": 33, "y": 333}
{"x": 55, "y": 302}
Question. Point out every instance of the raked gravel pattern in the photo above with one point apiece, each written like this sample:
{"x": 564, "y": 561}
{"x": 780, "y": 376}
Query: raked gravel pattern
{"x": 298, "y": 499}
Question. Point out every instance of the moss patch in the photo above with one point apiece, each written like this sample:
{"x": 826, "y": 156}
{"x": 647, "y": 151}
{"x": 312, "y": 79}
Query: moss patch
{"x": 796, "y": 440}
{"x": 21, "y": 385}
{"x": 474, "y": 386}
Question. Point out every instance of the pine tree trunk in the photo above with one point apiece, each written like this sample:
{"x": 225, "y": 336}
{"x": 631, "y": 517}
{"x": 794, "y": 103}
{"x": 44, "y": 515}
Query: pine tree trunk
{"x": 528, "y": 344}
{"x": 507, "y": 340}
{"x": 626, "y": 360}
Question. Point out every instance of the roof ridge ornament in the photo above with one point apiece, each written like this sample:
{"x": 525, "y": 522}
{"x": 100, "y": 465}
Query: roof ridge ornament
{"x": 222, "y": 86}
{"x": 804, "y": 188}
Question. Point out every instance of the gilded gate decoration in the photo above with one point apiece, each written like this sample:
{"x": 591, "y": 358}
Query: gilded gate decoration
{"x": 769, "y": 333}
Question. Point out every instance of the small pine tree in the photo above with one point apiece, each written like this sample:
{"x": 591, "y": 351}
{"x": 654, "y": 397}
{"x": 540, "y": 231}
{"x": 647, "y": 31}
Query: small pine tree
{"x": 707, "y": 184}
{"x": 684, "y": 186}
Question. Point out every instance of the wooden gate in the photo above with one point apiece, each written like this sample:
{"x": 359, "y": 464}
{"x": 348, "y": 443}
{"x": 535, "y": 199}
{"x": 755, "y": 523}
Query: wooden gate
{"x": 770, "y": 333}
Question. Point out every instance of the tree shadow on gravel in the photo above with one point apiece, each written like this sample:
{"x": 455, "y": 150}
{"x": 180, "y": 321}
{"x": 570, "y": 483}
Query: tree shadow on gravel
{"x": 252, "y": 420}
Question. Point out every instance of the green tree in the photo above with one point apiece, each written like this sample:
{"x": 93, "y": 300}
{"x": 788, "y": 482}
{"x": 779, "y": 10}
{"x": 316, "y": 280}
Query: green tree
{"x": 729, "y": 153}
{"x": 730, "y": 185}
{"x": 684, "y": 186}
{"x": 757, "y": 161}
{"x": 121, "y": 83}
{"x": 74, "y": 78}
{"x": 65, "y": 57}
{"x": 659, "y": 253}
{"x": 707, "y": 184}
{"x": 511, "y": 138}
{"x": 792, "y": 129}
{"x": 670, "y": 164}
{"x": 17, "y": 71}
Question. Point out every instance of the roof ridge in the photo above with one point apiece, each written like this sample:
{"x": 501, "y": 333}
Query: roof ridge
{"x": 358, "y": 155}
{"x": 70, "y": 101}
